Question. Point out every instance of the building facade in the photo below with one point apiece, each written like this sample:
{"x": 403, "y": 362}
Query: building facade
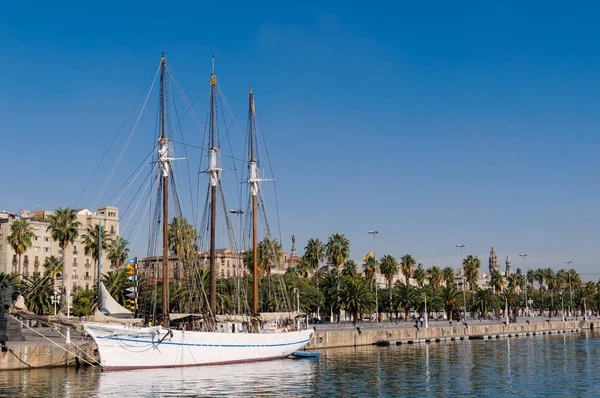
{"x": 79, "y": 267}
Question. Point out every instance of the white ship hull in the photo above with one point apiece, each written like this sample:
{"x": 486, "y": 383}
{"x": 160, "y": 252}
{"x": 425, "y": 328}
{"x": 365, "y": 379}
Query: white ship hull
{"x": 123, "y": 347}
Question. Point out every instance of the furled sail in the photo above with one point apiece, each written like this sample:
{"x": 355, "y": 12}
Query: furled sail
{"x": 109, "y": 306}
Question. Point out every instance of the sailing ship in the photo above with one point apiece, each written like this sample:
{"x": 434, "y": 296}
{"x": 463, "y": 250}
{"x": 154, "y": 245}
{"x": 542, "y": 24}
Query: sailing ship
{"x": 123, "y": 346}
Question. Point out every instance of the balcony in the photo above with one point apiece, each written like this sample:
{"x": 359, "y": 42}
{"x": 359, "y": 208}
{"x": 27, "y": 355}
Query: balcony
{"x": 87, "y": 264}
{"x": 36, "y": 274}
{"x": 87, "y": 277}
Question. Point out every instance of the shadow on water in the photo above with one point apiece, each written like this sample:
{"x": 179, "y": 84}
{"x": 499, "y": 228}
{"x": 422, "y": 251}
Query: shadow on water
{"x": 554, "y": 365}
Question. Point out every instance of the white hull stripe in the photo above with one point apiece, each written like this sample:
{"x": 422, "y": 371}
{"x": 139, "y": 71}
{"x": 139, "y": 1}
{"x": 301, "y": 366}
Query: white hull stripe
{"x": 203, "y": 345}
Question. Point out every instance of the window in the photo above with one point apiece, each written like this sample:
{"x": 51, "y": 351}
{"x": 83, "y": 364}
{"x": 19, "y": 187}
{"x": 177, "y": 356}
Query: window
{"x": 1, "y": 247}
{"x": 36, "y": 237}
{"x": 101, "y": 213}
{"x": 112, "y": 214}
{"x": 1, "y": 236}
{"x": 47, "y": 249}
{"x": 47, "y": 239}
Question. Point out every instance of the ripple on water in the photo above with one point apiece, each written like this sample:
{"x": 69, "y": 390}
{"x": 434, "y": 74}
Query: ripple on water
{"x": 547, "y": 365}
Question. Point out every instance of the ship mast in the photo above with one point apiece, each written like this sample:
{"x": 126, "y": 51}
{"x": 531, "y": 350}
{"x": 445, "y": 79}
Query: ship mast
{"x": 165, "y": 167}
{"x": 254, "y": 187}
{"x": 214, "y": 175}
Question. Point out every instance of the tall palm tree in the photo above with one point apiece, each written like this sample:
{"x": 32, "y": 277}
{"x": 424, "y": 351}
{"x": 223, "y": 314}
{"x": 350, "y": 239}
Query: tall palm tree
{"x": 350, "y": 270}
{"x": 181, "y": 238}
{"x": 355, "y": 297}
{"x": 64, "y": 229}
{"x": 303, "y": 267}
{"x": 435, "y": 277}
{"x": 21, "y": 234}
{"x": 407, "y": 263}
{"x": 91, "y": 242}
{"x": 389, "y": 268}
{"x": 448, "y": 296}
{"x": 486, "y": 301}
{"x": 118, "y": 250}
{"x": 420, "y": 275}
{"x": 370, "y": 270}
{"x": 496, "y": 281}
{"x": 337, "y": 250}
{"x": 407, "y": 297}
{"x": 530, "y": 277}
{"x": 315, "y": 253}
{"x": 471, "y": 265}
{"x": 449, "y": 276}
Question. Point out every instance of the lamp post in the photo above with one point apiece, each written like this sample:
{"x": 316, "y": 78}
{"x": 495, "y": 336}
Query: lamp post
{"x": 523, "y": 255}
{"x": 297, "y": 299}
{"x": 568, "y": 262}
{"x": 238, "y": 253}
{"x": 461, "y": 246}
{"x": 425, "y": 297}
{"x": 374, "y": 233}
{"x": 55, "y": 299}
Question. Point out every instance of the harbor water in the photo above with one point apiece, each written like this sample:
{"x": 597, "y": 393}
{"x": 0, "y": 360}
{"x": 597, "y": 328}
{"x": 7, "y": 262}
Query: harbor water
{"x": 546, "y": 365}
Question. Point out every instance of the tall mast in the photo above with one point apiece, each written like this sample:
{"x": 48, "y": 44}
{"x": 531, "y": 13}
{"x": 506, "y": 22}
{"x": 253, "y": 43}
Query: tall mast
{"x": 163, "y": 153}
{"x": 254, "y": 186}
{"x": 213, "y": 170}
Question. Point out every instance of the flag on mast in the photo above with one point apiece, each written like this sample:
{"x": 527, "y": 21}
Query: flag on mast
{"x": 368, "y": 255}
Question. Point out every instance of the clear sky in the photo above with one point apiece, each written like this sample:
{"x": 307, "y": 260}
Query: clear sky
{"x": 436, "y": 123}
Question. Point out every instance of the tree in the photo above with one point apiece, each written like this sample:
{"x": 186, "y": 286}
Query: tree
{"x": 303, "y": 267}
{"x": 37, "y": 293}
{"x": 21, "y": 234}
{"x": 182, "y": 237}
{"x": 355, "y": 297}
{"x": 435, "y": 277}
{"x": 407, "y": 296}
{"x": 350, "y": 270}
{"x": 389, "y": 268}
{"x": 315, "y": 253}
{"x": 486, "y": 301}
{"x": 337, "y": 250}
{"x": 91, "y": 242}
{"x": 407, "y": 264}
{"x": 64, "y": 230}
{"x": 370, "y": 270}
{"x": 84, "y": 301}
{"x": 471, "y": 265}
{"x": 449, "y": 298}
{"x": 52, "y": 267}
{"x": 420, "y": 275}
{"x": 118, "y": 250}
{"x": 448, "y": 274}
{"x": 497, "y": 281}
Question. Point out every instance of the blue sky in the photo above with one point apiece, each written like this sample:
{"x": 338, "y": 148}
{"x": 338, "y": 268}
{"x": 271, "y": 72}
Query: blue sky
{"x": 434, "y": 123}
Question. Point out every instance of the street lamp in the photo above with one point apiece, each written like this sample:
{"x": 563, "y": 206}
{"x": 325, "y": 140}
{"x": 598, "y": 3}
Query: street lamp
{"x": 238, "y": 213}
{"x": 374, "y": 233}
{"x": 523, "y": 255}
{"x": 297, "y": 298}
{"x": 55, "y": 299}
{"x": 463, "y": 282}
{"x": 568, "y": 262}
{"x": 425, "y": 297}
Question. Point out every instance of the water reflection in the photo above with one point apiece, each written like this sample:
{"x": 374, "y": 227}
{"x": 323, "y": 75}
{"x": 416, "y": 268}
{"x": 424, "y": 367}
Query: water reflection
{"x": 563, "y": 364}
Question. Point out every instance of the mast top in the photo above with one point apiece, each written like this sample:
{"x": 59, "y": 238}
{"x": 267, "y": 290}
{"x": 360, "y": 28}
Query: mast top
{"x": 163, "y": 60}
{"x": 213, "y": 77}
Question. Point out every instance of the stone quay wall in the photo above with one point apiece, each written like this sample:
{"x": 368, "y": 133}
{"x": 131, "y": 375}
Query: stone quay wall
{"x": 351, "y": 338}
{"x": 28, "y": 356}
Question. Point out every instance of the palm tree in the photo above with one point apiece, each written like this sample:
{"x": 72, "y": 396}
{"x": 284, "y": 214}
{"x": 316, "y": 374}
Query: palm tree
{"x": 449, "y": 298}
{"x": 350, "y": 270}
{"x": 448, "y": 274}
{"x": 471, "y": 265}
{"x": 64, "y": 230}
{"x": 389, "y": 268}
{"x": 303, "y": 267}
{"x": 37, "y": 293}
{"x": 315, "y": 253}
{"x": 407, "y": 296}
{"x": 181, "y": 238}
{"x": 420, "y": 275}
{"x": 21, "y": 234}
{"x": 337, "y": 250}
{"x": 118, "y": 250}
{"x": 370, "y": 270}
{"x": 84, "y": 301}
{"x": 407, "y": 263}
{"x": 91, "y": 242}
{"x": 496, "y": 281}
{"x": 435, "y": 277}
{"x": 355, "y": 297}
{"x": 486, "y": 301}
